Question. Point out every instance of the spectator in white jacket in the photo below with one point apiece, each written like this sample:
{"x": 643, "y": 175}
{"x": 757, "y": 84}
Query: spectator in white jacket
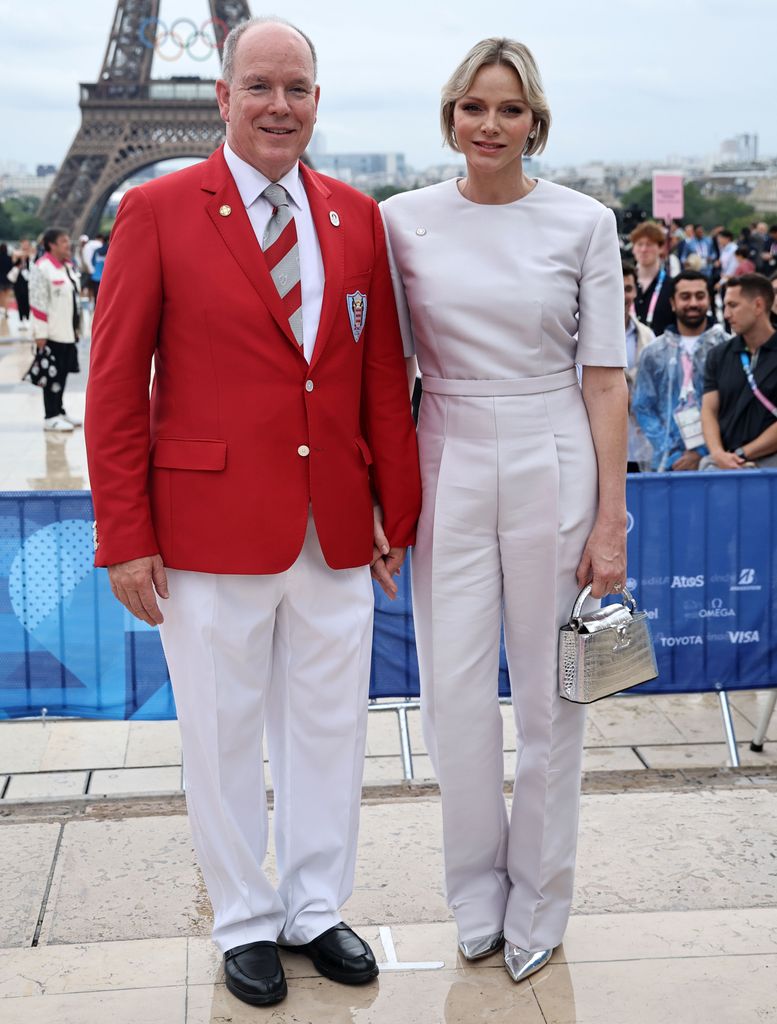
{"x": 55, "y": 288}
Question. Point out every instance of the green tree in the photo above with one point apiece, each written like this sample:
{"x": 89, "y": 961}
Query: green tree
{"x": 726, "y": 210}
{"x": 386, "y": 191}
{"x": 6, "y": 224}
{"x": 21, "y": 219}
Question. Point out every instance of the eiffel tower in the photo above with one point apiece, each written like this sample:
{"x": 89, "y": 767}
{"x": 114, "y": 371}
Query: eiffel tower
{"x": 129, "y": 120}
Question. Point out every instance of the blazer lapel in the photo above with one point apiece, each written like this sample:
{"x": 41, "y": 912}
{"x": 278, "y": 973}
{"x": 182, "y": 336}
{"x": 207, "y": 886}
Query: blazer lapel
{"x": 225, "y": 208}
{"x": 331, "y": 235}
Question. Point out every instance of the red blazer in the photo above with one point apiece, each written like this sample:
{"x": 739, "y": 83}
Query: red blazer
{"x": 216, "y": 469}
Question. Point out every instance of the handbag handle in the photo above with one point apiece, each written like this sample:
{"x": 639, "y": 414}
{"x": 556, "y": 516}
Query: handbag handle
{"x": 574, "y": 618}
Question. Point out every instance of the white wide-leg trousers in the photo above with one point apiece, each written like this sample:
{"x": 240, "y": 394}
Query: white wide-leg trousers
{"x": 509, "y": 497}
{"x": 291, "y": 650}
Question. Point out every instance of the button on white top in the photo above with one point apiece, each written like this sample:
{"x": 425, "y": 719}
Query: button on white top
{"x": 303, "y": 450}
{"x": 308, "y": 385}
{"x": 420, "y": 231}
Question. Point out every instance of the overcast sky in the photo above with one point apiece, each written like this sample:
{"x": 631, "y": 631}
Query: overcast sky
{"x": 626, "y": 79}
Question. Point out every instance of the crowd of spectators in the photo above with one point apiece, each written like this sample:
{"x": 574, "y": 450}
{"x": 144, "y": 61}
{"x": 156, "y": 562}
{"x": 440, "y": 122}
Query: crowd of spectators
{"x": 688, "y": 293}
{"x": 701, "y": 317}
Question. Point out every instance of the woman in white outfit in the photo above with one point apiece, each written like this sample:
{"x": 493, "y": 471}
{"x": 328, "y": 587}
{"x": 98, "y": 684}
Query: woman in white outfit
{"x": 503, "y": 284}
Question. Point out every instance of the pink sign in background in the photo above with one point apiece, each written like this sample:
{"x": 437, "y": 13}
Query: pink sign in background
{"x": 668, "y": 200}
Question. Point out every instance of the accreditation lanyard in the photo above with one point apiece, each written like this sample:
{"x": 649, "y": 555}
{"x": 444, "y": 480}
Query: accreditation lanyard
{"x": 745, "y": 359}
{"x": 654, "y": 297}
{"x": 687, "y": 394}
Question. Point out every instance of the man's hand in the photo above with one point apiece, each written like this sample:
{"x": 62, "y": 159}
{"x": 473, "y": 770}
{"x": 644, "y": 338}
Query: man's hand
{"x": 40, "y": 342}
{"x": 727, "y": 460}
{"x": 134, "y": 583}
{"x": 690, "y": 459}
{"x": 386, "y": 561}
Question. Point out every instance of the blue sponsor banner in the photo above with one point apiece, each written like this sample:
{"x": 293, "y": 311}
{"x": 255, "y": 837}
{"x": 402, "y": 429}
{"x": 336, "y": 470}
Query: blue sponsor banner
{"x": 702, "y": 552}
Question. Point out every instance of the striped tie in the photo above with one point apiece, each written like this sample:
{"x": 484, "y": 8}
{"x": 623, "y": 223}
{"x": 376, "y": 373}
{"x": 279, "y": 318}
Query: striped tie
{"x": 282, "y": 253}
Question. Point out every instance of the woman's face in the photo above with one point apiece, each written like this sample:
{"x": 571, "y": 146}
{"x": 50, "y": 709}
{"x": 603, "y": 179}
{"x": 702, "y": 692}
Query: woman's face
{"x": 492, "y": 120}
{"x": 646, "y": 252}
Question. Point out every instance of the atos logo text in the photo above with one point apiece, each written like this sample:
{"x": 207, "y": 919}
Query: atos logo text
{"x": 716, "y": 611}
{"x": 681, "y": 641}
{"x": 744, "y": 636}
{"x": 684, "y": 582}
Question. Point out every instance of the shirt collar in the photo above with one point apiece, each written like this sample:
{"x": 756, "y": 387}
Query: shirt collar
{"x": 739, "y": 343}
{"x": 251, "y": 182}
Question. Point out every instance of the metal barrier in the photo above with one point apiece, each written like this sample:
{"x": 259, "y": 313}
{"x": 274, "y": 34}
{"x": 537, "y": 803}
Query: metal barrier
{"x": 702, "y": 552}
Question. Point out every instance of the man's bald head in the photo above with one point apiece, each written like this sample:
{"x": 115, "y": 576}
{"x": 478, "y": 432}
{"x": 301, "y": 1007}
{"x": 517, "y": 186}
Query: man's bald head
{"x": 232, "y": 40}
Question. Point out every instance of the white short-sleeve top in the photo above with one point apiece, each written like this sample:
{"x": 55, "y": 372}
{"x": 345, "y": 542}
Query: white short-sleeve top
{"x": 515, "y": 290}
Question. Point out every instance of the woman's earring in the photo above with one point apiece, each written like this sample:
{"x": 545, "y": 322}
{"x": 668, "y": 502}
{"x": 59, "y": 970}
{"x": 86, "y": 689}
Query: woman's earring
{"x": 532, "y": 133}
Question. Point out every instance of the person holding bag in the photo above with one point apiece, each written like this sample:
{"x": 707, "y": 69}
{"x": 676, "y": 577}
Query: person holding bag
{"x": 503, "y": 283}
{"x": 54, "y": 302}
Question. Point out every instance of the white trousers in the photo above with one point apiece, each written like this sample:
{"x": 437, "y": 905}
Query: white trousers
{"x": 509, "y": 497}
{"x": 291, "y": 650}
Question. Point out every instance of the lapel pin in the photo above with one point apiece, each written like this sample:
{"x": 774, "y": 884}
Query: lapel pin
{"x": 225, "y": 210}
{"x": 420, "y": 231}
{"x": 335, "y": 219}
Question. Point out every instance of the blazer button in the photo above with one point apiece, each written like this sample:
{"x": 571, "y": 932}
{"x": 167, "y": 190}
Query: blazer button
{"x": 303, "y": 450}
{"x": 308, "y": 385}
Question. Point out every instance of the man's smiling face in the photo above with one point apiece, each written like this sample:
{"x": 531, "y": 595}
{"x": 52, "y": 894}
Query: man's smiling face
{"x": 270, "y": 105}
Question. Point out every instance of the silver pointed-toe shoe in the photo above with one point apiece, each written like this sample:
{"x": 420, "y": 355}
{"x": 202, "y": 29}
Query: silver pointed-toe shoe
{"x": 483, "y": 945}
{"x": 520, "y": 963}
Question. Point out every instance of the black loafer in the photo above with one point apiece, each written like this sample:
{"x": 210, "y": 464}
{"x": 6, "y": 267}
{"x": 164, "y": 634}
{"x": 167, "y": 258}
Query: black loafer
{"x": 341, "y": 955}
{"x": 254, "y": 973}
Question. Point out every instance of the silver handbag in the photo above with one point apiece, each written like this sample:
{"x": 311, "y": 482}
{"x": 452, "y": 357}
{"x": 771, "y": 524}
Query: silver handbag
{"x": 604, "y": 651}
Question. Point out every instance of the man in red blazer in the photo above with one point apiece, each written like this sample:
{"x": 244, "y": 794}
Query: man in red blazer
{"x": 242, "y": 493}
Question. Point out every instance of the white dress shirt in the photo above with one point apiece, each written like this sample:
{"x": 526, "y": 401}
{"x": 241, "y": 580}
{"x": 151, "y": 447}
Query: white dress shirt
{"x": 250, "y": 184}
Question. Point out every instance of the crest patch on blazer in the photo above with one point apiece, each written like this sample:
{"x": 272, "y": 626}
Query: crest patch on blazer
{"x": 357, "y": 312}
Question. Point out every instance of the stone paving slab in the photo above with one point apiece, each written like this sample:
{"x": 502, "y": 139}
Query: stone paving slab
{"x": 125, "y": 880}
{"x": 673, "y": 919}
{"x": 621, "y": 969}
{"x": 153, "y": 963}
{"x": 140, "y": 757}
{"x": 46, "y": 785}
{"x": 26, "y": 855}
{"x": 676, "y": 851}
{"x": 639, "y": 851}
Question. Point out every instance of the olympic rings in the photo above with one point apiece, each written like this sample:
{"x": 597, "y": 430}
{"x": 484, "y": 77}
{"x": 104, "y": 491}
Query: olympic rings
{"x": 161, "y": 35}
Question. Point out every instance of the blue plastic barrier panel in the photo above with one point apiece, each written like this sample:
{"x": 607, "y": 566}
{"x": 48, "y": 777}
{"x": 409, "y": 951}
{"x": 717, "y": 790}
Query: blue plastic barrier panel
{"x": 701, "y": 552}
{"x": 701, "y": 564}
{"x": 66, "y": 644}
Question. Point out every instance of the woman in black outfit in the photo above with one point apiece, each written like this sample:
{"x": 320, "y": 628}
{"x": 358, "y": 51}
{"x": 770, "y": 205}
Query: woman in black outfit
{"x": 23, "y": 259}
{"x": 6, "y": 264}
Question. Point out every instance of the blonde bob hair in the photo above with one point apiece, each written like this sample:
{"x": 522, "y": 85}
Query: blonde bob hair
{"x": 512, "y": 54}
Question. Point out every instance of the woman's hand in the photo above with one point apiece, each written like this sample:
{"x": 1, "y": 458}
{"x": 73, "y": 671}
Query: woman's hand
{"x": 604, "y": 558}
{"x": 386, "y": 561}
